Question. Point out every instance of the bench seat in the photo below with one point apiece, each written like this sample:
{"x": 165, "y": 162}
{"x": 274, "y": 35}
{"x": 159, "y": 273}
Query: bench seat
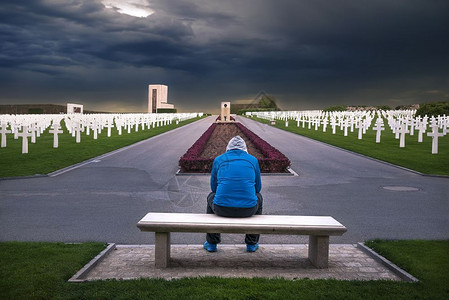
{"x": 318, "y": 228}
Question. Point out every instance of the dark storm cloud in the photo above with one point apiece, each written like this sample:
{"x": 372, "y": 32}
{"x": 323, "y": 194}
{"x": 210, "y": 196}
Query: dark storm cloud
{"x": 307, "y": 53}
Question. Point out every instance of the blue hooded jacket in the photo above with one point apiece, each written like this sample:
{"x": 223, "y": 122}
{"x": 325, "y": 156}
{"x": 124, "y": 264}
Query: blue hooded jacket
{"x": 235, "y": 176}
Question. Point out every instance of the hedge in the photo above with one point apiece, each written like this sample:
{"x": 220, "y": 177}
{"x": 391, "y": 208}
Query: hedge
{"x": 272, "y": 162}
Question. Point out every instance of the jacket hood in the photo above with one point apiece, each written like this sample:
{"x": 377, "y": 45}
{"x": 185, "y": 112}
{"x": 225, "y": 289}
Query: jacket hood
{"x": 237, "y": 143}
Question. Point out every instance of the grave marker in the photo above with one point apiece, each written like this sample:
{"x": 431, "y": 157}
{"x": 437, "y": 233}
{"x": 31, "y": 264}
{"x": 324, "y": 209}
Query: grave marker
{"x": 421, "y": 130}
{"x": 435, "y": 135}
{"x": 55, "y": 129}
{"x": 3, "y": 132}
{"x": 378, "y": 128}
{"x": 360, "y": 127}
{"x": 403, "y": 129}
{"x": 345, "y": 126}
{"x": 334, "y": 125}
{"x": 24, "y": 135}
{"x": 324, "y": 123}
{"x": 33, "y": 130}
{"x": 77, "y": 129}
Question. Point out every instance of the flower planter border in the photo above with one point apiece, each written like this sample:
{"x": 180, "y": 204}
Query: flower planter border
{"x": 272, "y": 162}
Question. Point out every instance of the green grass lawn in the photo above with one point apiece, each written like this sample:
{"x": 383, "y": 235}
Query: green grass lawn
{"x": 43, "y": 158}
{"x": 41, "y": 270}
{"x": 415, "y": 156}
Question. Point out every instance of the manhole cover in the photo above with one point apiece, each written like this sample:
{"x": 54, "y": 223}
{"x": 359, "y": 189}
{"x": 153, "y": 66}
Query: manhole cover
{"x": 400, "y": 188}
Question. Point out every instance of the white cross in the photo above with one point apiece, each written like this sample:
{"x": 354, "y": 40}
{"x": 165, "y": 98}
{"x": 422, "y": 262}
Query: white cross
{"x": 445, "y": 125}
{"x": 55, "y": 130}
{"x": 109, "y": 125}
{"x": 38, "y": 130}
{"x": 360, "y": 130}
{"x": 396, "y": 126}
{"x": 77, "y": 129}
{"x": 3, "y": 132}
{"x": 378, "y": 128}
{"x": 435, "y": 135}
{"x": 421, "y": 129}
{"x": 15, "y": 129}
{"x": 403, "y": 129}
{"x": 95, "y": 128}
{"x": 346, "y": 125}
{"x": 118, "y": 125}
{"x": 33, "y": 130}
{"x": 87, "y": 126}
{"x": 24, "y": 135}
{"x": 413, "y": 123}
{"x": 366, "y": 124}
{"x": 324, "y": 122}
{"x": 334, "y": 125}
{"x": 317, "y": 123}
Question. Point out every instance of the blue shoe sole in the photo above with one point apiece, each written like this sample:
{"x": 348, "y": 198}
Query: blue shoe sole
{"x": 251, "y": 248}
{"x": 209, "y": 248}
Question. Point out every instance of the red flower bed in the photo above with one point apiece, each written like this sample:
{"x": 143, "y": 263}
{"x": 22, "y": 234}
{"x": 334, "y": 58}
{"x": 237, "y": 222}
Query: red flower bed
{"x": 196, "y": 161}
{"x": 191, "y": 160}
{"x": 273, "y": 161}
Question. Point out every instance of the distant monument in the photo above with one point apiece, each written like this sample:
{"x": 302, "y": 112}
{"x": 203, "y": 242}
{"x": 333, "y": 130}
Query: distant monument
{"x": 73, "y": 108}
{"x": 225, "y": 115}
{"x": 157, "y": 98}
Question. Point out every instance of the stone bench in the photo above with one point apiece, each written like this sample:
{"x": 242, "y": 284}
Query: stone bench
{"x": 318, "y": 228}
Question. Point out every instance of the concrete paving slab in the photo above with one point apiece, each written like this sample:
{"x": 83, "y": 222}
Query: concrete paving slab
{"x": 289, "y": 261}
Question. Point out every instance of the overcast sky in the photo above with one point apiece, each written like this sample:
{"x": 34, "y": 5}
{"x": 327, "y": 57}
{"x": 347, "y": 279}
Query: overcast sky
{"x": 308, "y": 54}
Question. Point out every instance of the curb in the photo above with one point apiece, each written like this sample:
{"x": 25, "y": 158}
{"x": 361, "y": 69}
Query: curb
{"x": 391, "y": 266}
{"x": 81, "y": 275}
{"x": 24, "y": 177}
{"x": 291, "y": 173}
{"x": 78, "y": 277}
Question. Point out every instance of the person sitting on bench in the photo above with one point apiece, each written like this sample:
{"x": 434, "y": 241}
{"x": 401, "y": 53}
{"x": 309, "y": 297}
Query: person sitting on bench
{"x": 235, "y": 183}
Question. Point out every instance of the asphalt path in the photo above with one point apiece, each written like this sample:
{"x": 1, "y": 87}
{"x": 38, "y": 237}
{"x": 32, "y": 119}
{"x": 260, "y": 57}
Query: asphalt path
{"x": 104, "y": 199}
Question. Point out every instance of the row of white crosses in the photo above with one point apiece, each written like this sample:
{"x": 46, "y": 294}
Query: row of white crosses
{"x": 401, "y": 122}
{"x": 25, "y": 126}
{"x": 32, "y": 126}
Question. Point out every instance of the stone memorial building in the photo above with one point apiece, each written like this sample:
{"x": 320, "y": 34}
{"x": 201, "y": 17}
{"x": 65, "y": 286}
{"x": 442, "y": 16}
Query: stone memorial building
{"x": 157, "y": 98}
{"x": 73, "y": 108}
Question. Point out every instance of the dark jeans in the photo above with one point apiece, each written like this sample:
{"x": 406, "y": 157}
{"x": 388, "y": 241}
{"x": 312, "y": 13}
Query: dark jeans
{"x": 233, "y": 212}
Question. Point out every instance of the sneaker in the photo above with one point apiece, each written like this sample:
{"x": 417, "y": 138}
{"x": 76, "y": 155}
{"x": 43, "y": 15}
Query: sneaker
{"x": 210, "y": 247}
{"x": 252, "y": 248}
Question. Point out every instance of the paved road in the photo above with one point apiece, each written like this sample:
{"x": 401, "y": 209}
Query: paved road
{"x": 103, "y": 200}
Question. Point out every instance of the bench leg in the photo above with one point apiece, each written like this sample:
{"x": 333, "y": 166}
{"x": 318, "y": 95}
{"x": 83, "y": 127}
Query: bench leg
{"x": 162, "y": 250}
{"x": 319, "y": 251}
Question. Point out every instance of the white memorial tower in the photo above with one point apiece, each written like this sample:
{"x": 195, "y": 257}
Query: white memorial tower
{"x": 157, "y": 98}
{"x": 225, "y": 115}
